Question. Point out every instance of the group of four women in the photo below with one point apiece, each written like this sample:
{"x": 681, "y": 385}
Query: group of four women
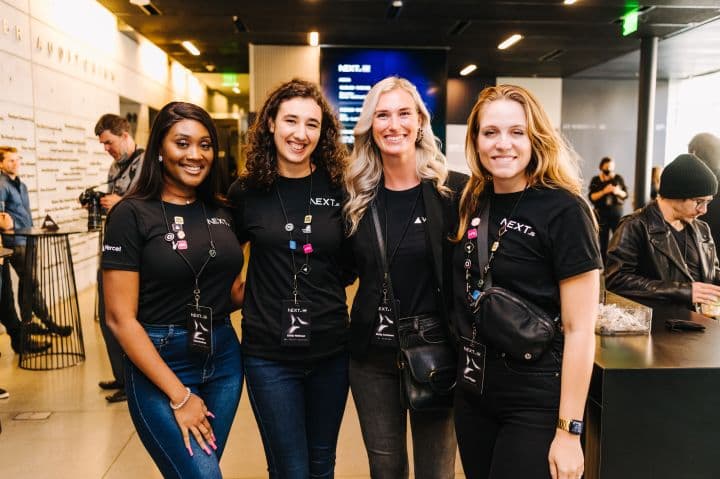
{"x": 390, "y": 214}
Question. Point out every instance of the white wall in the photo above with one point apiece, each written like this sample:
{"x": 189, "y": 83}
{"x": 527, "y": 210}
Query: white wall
{"x": 272, "y": 65}
{"x": 62, "y": 65}
{"x": 547, "y": 90}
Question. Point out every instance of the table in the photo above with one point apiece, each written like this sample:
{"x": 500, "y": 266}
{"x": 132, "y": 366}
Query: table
{"x": 49, "y": 270}
{"x": 654, "y": 404}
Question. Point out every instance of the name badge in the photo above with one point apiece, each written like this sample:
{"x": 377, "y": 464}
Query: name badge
{"x": 295, "y": 322}
{"x": 472, "y": 365}
{"x": 385, "y": 334}
{"x": 199, "y": 326}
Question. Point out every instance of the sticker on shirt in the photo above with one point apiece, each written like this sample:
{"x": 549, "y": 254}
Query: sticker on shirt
{"x": 472, "y": 365}
{"x": 385, "y": 328}
{"x": 295, "y": 323}
{"x": 199, "y": 326}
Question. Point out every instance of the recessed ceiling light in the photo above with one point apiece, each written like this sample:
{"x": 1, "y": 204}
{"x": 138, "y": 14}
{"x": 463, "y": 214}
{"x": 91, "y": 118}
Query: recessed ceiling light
{"x": 140, "y": 2}
{"x": 236, "y": 90}
{"x": 188, "y": 45}
{"x": 468, "y": 69}
{"x": 210, "y": 67}
{"x": 510, "y": 41}
{"x": 314, "y": 39}
{"x": 569, "y": 2}
{"x": 397, "y": 3}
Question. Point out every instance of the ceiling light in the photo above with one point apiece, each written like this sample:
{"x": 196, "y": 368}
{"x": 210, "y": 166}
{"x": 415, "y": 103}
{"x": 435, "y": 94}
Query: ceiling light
{"x": 140, "y": 2}
{"x": 188, "y": 45}
{"x": 397, "y": 3}
{"x": 236, "y": 90}
{"x": 468, "y": 69}
{"x": 239, "y": 25}
{"x": 314, "y": 39}
{"x": 569, "y": 2}
{"x": 510, "y": 41}
{"x": 210, "y": 67}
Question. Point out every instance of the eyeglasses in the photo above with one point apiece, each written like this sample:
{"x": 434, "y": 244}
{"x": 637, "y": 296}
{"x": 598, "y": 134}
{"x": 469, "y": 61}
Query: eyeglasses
{"x": 699, "y": 204}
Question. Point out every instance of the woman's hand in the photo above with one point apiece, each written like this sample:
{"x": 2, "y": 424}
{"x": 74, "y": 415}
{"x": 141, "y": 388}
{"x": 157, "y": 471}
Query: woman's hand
{"x": 192, "y": 418}
{"x": 566, "y": 456}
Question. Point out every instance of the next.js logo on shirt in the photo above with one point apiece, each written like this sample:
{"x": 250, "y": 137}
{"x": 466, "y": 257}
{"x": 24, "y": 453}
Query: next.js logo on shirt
{"x": 320, "y": 201}
{"x": 516, "y": 226}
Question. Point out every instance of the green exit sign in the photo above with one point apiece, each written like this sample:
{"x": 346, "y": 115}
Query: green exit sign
{"x": 229, "y": 79}
{"x": 630, "y": 23}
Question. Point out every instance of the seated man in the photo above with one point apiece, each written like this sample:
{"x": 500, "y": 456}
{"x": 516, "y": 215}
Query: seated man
{"x": 663, "y": 252}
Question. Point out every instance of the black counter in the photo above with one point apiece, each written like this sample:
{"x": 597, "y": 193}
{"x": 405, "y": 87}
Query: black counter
{"x": 654, "y": 404}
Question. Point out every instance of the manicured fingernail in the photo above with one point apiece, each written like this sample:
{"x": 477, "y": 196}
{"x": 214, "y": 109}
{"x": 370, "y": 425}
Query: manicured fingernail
{"x": 213, "y": 436}
{"x": 211, "y": 415}
{"x": 207, "y": 451}
{"x": 190, "y": 450}
{"x": 212, "y": 444}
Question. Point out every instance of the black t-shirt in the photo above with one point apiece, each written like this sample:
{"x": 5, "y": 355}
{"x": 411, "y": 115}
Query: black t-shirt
{"x": 135, "y": 241}
{"x": 609, "y": 204}
{"x": 260, "y": 220}
{"x": 549, "y": 238}
{"x": 403, "y": 222}
{"x": 688, "y": 250}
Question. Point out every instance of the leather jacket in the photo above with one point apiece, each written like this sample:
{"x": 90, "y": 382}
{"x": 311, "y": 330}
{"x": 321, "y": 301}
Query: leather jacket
{"x": 645, "y": 263}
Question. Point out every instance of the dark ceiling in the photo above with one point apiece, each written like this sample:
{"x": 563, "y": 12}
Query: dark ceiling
{"x": 581, "y": 36}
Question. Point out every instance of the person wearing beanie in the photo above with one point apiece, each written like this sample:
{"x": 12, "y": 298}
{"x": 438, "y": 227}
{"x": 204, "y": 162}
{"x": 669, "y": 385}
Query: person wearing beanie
{"x": 663, "y": 252}
{"x": 706, "y": 146}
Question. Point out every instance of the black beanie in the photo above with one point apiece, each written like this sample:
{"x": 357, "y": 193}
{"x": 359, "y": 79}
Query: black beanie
{"x": 687, "y": 177}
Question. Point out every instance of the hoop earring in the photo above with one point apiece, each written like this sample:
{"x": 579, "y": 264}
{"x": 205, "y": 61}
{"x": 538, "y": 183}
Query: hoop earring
{"x": 420, "y": 136}
{"x": 160, "y": 158}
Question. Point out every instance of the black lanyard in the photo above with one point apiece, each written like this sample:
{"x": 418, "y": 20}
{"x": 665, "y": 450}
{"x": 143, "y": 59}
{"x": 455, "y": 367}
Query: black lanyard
{"x": 212, "y": 252}
{"x": 292, "y": 244}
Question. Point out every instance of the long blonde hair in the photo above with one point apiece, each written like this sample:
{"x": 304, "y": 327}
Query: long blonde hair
{"x": 366, "y": 167}
{"x": 553, "y": 163}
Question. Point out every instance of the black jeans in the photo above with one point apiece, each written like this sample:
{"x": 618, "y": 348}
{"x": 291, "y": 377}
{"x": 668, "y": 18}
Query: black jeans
{"x": 375, "y": 386}
{"x": 608, "y": 223}
{"x": 506, "y": 432}
{"x": 37, "y": 303}
{"x": 8, "y": 314}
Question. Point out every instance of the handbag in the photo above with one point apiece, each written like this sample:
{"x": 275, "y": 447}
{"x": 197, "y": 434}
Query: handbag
{"x": 509, "y": 322}
{"x": 426, "y": 359}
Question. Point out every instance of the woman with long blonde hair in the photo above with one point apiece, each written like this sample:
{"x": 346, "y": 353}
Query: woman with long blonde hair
{"x": 515, "y": 416}
{"x": 397, "y": 176}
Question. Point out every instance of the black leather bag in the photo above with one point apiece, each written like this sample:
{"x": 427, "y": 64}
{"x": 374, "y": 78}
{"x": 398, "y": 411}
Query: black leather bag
{"x": 427, "y": 362}
{"x": 512, "y": 324}
{"x": 509, "y": 322}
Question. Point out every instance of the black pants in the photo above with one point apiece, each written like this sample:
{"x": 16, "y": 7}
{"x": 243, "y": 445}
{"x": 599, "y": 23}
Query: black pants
{"x": 608, "y": 222}
{"x": 506, "y": 432}
{"x": 36, "y": 304}
{"x": 8, "y": 314}
{"x": 114, "y": 350}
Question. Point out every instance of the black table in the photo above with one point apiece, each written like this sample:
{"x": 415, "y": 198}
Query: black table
{"x": 49, "y": 269}
{"x": 654, "y": 409}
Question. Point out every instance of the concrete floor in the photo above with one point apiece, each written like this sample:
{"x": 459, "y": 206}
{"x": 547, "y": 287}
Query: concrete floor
{"x": 85, "y": 437}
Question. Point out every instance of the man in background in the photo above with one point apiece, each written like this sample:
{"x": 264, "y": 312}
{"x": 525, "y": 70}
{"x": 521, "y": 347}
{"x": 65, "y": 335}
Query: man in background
{"x": 113, "y": 132}
{"x": 706, "y": 146}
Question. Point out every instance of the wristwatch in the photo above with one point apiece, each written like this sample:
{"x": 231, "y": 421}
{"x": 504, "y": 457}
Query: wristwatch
{"x": 573, "y": 426}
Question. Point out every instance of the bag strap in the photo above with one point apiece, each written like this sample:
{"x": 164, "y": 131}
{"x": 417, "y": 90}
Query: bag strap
{"x": 383, "y": 260}
{"x": 482, "y": 246}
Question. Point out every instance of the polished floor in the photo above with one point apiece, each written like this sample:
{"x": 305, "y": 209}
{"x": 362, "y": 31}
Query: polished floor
{"x": 85, "y": 437}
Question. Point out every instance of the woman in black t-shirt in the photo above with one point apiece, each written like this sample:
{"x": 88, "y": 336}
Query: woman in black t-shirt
{"x": 170, "y": 260}
{"x": 522, "y": 416}
{"x": 288, "y": 207}
{"x": 398, "y": 170}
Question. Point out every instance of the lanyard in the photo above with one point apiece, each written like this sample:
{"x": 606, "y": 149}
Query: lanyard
{"x": 292, "y": 244}
{"x": 212, "y": 252}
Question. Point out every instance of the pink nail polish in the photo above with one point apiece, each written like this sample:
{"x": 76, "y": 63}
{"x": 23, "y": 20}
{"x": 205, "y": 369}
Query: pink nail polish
{"x": 211, "y": 415}
{"x": 213, "y": 436}
{"x": 212, "y": 444}
{"x": 190, "y": 450}
{"x": 207, "y": 451}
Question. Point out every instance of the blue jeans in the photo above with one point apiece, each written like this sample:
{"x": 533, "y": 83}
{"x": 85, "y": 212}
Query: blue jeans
{"x": 298, "y": 406}
{"x": 216, "y": 378}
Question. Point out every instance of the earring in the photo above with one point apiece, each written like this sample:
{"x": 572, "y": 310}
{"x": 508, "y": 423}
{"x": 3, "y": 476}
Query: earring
{"x": 160, "y": 158}
{"x": 488, "y": 178}
{"x": 420, "y": 135}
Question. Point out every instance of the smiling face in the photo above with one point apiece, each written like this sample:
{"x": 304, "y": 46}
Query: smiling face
{"x": 187, "y": 154}
{"x": 296, "y": 132}
{"x": 395, "y": 124}
{"x": 503, "y": 144}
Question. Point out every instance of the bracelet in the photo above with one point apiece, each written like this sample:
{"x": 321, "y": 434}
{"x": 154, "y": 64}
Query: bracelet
{"x": 177, "y": 406}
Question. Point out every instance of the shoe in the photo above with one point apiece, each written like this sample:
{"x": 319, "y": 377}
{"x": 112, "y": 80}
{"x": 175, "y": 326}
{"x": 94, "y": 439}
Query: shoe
{"x": 35, "y": 328}
{"x": 114, "y": 384}
{"x": 117, "y": 396}
{"x": 4, "y": 394}
{"x": 30, "y": 346}
{"x": 55, "y": 328}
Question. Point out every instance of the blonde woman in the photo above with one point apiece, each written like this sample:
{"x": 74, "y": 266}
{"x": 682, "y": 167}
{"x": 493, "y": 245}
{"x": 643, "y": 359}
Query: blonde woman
{"x": 397, "y": 168}
{"x": 520, "y": 418}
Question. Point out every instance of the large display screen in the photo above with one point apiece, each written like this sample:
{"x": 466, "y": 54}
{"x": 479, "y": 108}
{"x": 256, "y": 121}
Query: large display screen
{"x": 347, "y": 74}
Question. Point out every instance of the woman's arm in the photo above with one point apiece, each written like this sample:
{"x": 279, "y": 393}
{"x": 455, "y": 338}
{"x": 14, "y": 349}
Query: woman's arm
{"x": 121, "y": 289}
{"x": 579, "y": 296}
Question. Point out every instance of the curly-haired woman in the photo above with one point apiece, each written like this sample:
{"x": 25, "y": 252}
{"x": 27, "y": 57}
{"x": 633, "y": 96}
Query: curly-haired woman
{"x": 288, "y": 206}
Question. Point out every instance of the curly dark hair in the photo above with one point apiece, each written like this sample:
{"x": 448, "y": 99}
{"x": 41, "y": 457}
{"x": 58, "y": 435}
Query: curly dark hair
{"x": 261, "y": 157}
